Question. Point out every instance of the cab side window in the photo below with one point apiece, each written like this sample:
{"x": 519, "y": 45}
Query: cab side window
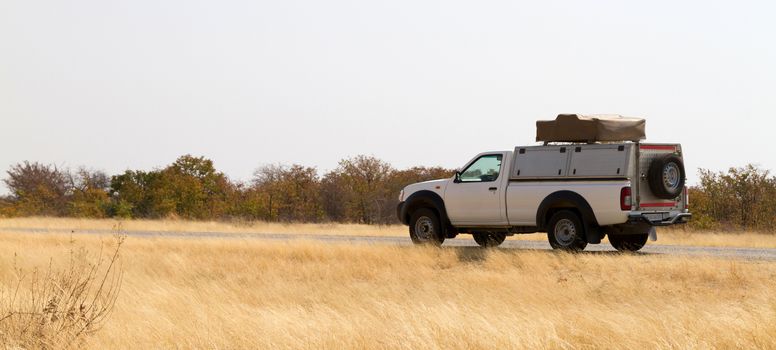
{"x": 484, "y": 169}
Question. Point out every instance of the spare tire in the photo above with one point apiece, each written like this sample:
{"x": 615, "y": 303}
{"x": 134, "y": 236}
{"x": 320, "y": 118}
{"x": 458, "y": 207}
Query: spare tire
{"x": 666, "y": 176}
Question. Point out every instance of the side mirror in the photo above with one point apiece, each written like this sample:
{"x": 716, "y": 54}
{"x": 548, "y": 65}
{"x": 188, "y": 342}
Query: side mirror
{"x": 457, "y": 176}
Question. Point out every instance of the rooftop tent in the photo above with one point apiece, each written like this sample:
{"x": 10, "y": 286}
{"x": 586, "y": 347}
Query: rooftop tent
{"x": 590, "y": 128}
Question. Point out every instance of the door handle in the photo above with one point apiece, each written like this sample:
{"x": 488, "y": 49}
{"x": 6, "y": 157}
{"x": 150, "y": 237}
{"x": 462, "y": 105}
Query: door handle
{"x": 492, "y": 188}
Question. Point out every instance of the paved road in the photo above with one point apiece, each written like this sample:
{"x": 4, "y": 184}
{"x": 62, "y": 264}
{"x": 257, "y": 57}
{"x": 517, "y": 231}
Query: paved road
{"x": 744, "y": 253}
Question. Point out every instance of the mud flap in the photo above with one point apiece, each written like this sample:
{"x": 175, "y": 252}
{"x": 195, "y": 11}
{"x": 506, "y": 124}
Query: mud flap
{"x": 593, "y": 235}
{"x": 652, "y": 234}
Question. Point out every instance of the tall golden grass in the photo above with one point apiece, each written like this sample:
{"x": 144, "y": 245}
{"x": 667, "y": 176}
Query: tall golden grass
{"x": 225, "y": 294}
{"x": 58, "y": 305}
{"x": 671, "y": 236}
{"x": 171, "y": 225}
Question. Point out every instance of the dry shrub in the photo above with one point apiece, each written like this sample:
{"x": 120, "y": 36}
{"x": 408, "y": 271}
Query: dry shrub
{"x": 55, "y": 308}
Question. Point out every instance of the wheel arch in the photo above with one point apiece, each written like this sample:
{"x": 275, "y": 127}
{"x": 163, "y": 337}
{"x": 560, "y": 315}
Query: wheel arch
{"x": 426, "y": 199}
{"x": 564, "y": 200}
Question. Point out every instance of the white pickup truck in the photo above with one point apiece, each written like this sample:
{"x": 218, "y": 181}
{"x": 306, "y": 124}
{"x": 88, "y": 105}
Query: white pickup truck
{"x": 576, "y": 192}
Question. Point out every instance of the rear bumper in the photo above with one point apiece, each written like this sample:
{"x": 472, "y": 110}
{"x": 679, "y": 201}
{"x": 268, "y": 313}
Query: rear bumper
{"x": 665, "y": 220}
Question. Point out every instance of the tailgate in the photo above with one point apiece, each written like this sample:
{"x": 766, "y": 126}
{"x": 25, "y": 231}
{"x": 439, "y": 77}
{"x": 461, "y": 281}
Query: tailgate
{"x": 648, "y": 200}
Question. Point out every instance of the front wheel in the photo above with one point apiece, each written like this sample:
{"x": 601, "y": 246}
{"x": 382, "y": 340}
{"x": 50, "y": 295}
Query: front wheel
{"x": 486, "y": 240}
{"x": 628, "y": 243}
{"x": 425, "y": 228}
{"x": 565, "y": 232}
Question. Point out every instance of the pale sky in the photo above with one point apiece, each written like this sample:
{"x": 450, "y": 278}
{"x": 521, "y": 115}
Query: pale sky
{"x": 118, "y": 85}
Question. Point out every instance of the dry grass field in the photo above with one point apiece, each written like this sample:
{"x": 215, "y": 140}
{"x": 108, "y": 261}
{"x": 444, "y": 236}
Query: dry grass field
{"x": 238, "y": 227}
{"x": 242, "y": 293}
{"x": 665, "y": 236}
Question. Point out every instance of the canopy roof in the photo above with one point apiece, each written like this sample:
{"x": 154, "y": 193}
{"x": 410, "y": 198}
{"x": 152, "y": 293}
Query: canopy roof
{"x": 590, "y": 128}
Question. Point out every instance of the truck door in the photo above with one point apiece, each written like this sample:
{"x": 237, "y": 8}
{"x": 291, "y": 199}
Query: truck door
{"x": 476, "y": 196}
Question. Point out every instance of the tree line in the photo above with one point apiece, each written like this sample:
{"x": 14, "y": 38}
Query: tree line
{"x": 361, "y": 189}
{"x": 742, "y": 198}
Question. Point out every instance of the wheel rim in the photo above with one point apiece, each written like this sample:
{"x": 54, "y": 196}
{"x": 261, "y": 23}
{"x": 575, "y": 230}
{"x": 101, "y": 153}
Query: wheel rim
{"x": 671, "y": 176}
{"x": 424, "y": 228}
{"x": 565, "y": 232}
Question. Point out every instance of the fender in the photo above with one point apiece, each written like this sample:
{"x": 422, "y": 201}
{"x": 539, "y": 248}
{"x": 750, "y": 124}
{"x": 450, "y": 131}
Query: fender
{"x": 566, "y": 199}
{"x": 425, "y": 199}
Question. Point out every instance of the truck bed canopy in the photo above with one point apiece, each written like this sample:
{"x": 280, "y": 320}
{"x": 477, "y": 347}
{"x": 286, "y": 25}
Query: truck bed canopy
{"x": 590, "y": 128}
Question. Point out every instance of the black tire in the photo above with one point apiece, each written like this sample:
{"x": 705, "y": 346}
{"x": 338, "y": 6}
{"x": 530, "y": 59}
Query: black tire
{"x": 566, "y": 232}
{"x": 425, "y": 227}
{"x": 628, "y": 243}
{"x": 486, "y": 240}
{"x": 666, "y": 176}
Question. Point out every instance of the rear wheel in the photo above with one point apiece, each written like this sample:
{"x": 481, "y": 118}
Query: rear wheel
{"x": 425, "y": 228}
{"x": 565, "y": 232}
{"x": 489, "y": 239}
{"x": 628, "y": 243}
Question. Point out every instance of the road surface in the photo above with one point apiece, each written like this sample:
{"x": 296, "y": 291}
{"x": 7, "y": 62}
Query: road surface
{"x": 464, "y": 241}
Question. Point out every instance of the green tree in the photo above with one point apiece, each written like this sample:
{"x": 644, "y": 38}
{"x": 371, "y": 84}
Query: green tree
{"x": 190, "y": 188}
{"x": 196, "y": 189}
{"x": 249, "y": 203}
{"x": 131, "y": 194}
{"x": 89, "y": 196}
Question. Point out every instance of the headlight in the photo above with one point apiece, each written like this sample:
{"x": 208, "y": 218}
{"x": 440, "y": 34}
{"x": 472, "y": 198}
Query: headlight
{"x": 401, "y": 195}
